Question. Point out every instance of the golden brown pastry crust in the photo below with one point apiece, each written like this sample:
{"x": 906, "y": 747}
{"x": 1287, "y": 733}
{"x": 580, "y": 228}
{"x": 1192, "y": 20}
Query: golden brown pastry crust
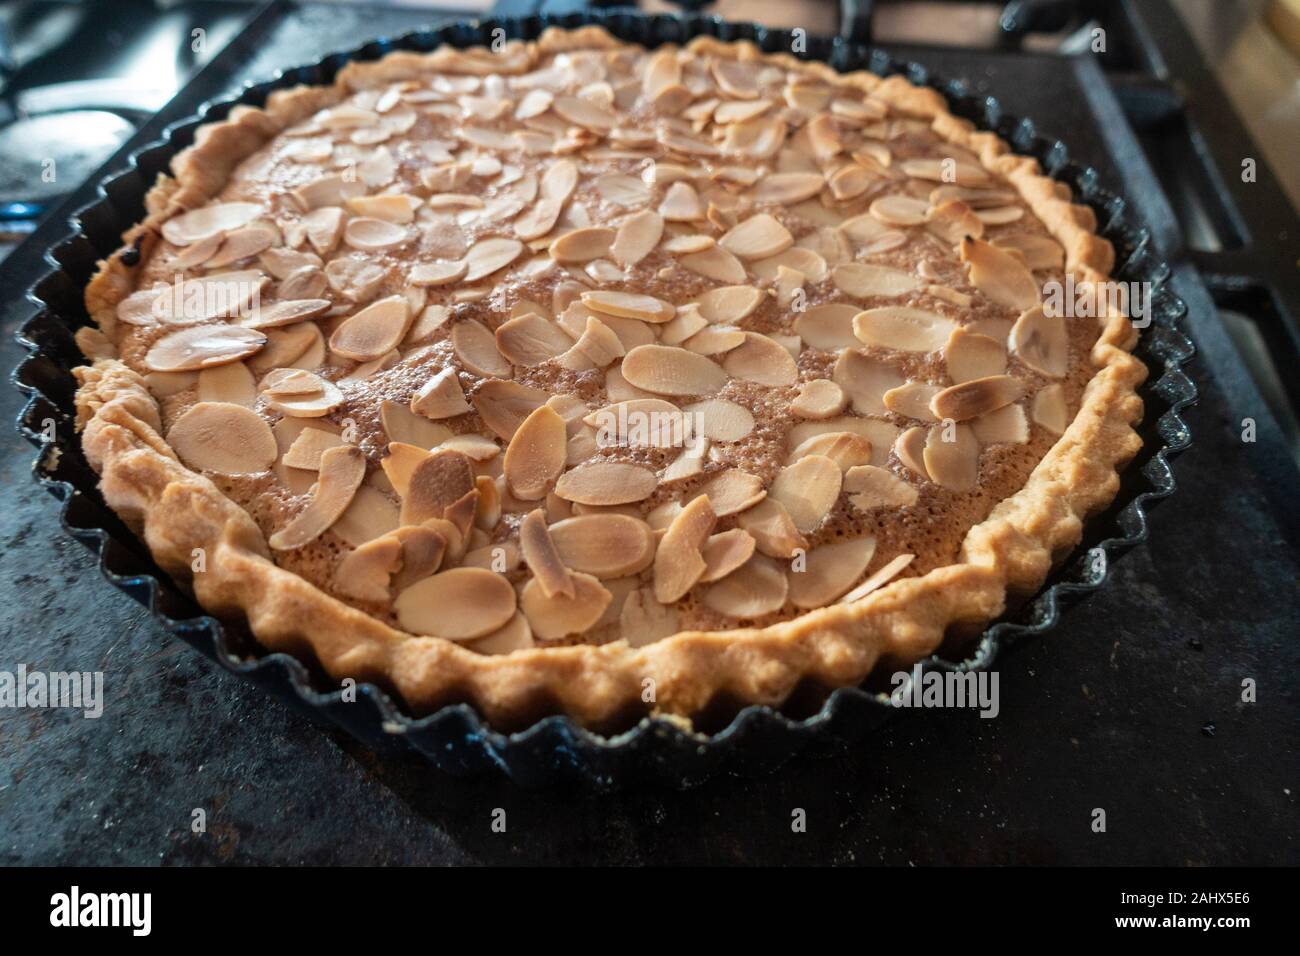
{"x": 176, "y": 510}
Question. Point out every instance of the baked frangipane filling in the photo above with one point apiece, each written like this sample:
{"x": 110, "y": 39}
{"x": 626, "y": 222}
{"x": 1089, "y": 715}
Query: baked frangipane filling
{"x": 578, "y": 343}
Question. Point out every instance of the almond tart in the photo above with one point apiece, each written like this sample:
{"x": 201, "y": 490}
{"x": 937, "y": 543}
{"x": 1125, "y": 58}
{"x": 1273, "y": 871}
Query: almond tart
{"x": 583, "y": 378}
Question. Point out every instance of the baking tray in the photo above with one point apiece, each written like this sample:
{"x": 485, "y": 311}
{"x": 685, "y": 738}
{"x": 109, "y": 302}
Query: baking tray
{"x": 554, "y": 750}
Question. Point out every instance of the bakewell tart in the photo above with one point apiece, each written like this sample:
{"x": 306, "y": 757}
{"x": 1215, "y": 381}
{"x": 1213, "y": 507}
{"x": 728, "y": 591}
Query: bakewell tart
{"x": 576, "y": 377}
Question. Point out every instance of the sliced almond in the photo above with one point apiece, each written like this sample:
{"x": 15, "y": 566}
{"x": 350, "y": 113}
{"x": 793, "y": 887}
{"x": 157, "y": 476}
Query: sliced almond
{"x": 730, "y": 303}
{"x": 559, "y": 616}
{"x": 756, "y": 589}
{"x": 878, "y": 580}
{"x": 583, "y": 245}
{"x": 912, "y": 400}
{"x": 604, "y": 545}
{"x": 606, "y": 483}
{"x": 202, "y": 347}
{"x": 733, "y": 491}
{"x": 998, "y": 274}
{"x": 542, "y": 557}
{"x": 224, "y": 438}
{"x": 639, "y": 422}
{"x": 629, "y": 305}
{"x": 828, "y": 327}
{"x": 761, "y": 359}
{"x": 490, "y": 255}
{"x": 952, "y": 463}
{"x": 954, "y": 221}
{"x": 829, "y": 571}
{"x": 598, "y": 346}
{"x": 423, "y": 551}
{"x": 725, "y": 552}
{"x": 207, "y": 221}
{"x": 787, "y": 188}
{"x": 1001, "y": 215}
{"x": 898, "y": 210}
{"x": 401, "y": 425}
{"x": 459, "y": 605}
{"x": 910, "y": 449}
{"x": 820, "y": 398}
{"x": 370, "y": 515}
{"x": 476, "y": 348}
{"x": 870, "y": 487}
{"x": 679, "y": 563}
{"x": 773, "y": 529}
{"x": 308, "y": 447}
{"x": 637, "y": 237}
{"x": 300, "y": 394}
{"x": 438, "y": 273}
{"x": 1006, "y": 425}
{"x": 1039, "y": 252}
{"x": 1041, "y": 342}
{"x": 903, "y": 328}
{"x": 689, "y": 463}
{"x": 681, "y": 203}
{"x": 844, "y": 448}
{"x": 504, "y": 405}
{"x": 342, "y": 470}
{"x": 881, "y": 435}
{"x": 530, "y": 340}
{"x": 1050, "y": 411}
{"x": 515, "y": 636}
{"x": 720, "y": 420}
{"x": 865, "y": 380}
{"x": 286, "y": 313}
{"x": 373, "y": 235}
{"x": 715, "y": 263}
{"x": 758, "y": 237}
{"x": 441, "y": 396}
{"x": 976, "y": 397}
{"x": 666, "y": 370}
{"x": 862, "y": 280}
{"x": 807, "y": 490}
{"x": 364, "y": 573}
{"x": 400, "y": 464}
{"x": 715, "y": 340}
{"x": 231, "y": 383}
{"x": 684, "y": 245}
{"x": 946, "y": 170}
{"x": 536, "y": 454}
{"x": 375, "y": 330}
{"x": 970, "y": 355}
{"x": 437, "y": 482}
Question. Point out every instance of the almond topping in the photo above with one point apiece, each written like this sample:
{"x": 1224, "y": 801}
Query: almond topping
{"x": 666, "y": 370}
{"x": 286, "y": 313}
{"x": 364, "y": 573}
{"x": 437, "y": 482}
{"x": 300, "y": 394}
{"x": 639, "y": 422}
{"x": 681, "y": 203}
{"x": 829, "y": 571}
{"x": 489, "y": 255}
{"x": 730, "y": 303}
{"x": 604, "y": 545}
{"x": 441, "y": 396}
{"x": 879, "y": 579}
{"x": 999, "y": 274}
{"x": 552, "y": 618}
{"x": 307, "y": 448}
{"x": 374, "y": 331}
{"x": 516, "y": 635}
{"x": 542, "y": 557}
{"x": 720, "y": 420}
{"x": 1049, "y": 409}
{"x": 903, "y": 328}
{"x": 733, "y": 491}
{"x": 202, "y": 347}
{"x": 761, "y": 359}
{"x": 400, "y": 464}
{"x": 757, "y": 238}
{"x": 954, "y": 221}
{"x": 912, "y": 400}
{"x": 373, "y": 235}
{"x": 637, "y": 237}
{"x": 828, "y": 327}
{"x": 1041, "y": 342}
{"x": 976, "y": 397}
{"x": 1007, "y": 424}
{"x": 423, "y": 550}
{"x": 459, "y": 605}
{"x": 583, "y": 245}
{"x": 715, "y": 263}
{"x": 820, "y": 398}
{"x": 606, "y": 483}
{"x": 870, "y": 487}
{"x": 530, "y": 340}
{"x": 438, "y": 273}
{"x": 342, "y": 470}
{"x": 772, "y": 528}
{"x": 787, "y": 188}
{"x": 401, "y": 425}
{"x": 757, "y": 588}
{"x": 844, "y": 448}
{"x": 970, "y": 355}
{"x": 679, "y": 563}
{"x": 223, "y": 438}
{"x": 862, "y": 281}
{"x": 231, "y": 383}
{"x": 206, "y": 221}
{"x": 952, "y": 463}
{"x": 1039, "y": 252}
{"x": 476, "y": 348}
{"x": 865, "y": 380}
{"x": 629, "y": 305}
{"x": 910, "y": 449}
{"x": 535, "y": 456}
{"x": 808, "y": 489}
{"x": 725, "y": 552}
{"x": 504, "y": 405}
{"x": 899, "y": 210}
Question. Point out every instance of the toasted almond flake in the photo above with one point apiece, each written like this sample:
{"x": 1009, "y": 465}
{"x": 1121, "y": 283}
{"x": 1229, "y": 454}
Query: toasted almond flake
{"x": 559, "y": 616}
{"x": 478, "y": 447}
{"x": 534, "y": 103}
{"x": 585, "y": 113}
{"x": 504, "y": 405}
{"x": 542, "y": 556}
{"x": 952, "y": 456}
{"x": 1041, "y": 342}
{"x": 355, "y": 278}
{"x": 441, "y": 396}
{"x": 865, "y": 380}
{"x": 787, "y": 188}
{"x": 622, "y": 190}
{"x": 231, "y": 383}
{"x": 733, "y": 491}
{"x": 461, "y": 604}
{"x": 630, "y": 305}
{"x": 373, "y": 235}
{"x": 954, "y": 221}
{"x": 438, "y": 273}
{"x": 1000, "y": 215}
{"x": 286, "y": 313}
{"x": 666, "y": 370}
{"x": 536, "y": 454}
{"x": 206, "y": 221}
{"x": 720, "y": 420}
{"x": 364, "y": 573}
{"x": 910, "y": 449}
{"x": 897, "y": 210}
{"x": 1038, "y": 252}
{"x": 307, "y": 448}
{"x": 679, "y": 563}
{"x": 224, "y": 438}
{"x": 423, "y": 551}
{"x": 912, "y": 400}
{"x": 977, "y": 397}
{"x": 1007, "y": 424}
{"x": 489, "y": 255}
{"x": 807, "y": 490}
{"x": 400, "y": 464}
{"x": 970, "y": 355}
{"x": 903, "y": 328}
{"x": 828, "y": 327}
{"x": 307, "y": 395}
{"x": 829, "y": 571}
{"x": 1049, "y": 409}
{"x": 330, "y": 190}
{"x": 308, "y": 282}
{"x": 998, "y": 274}
{"x": 820, "y": 398}
{"x": 730, "y": 303}
{"x": 476, "y": 348}
{"x": 598, "y": 346}
{"x": 530, "y": 340}
{"x": 689, "y": 463}
{"x": 861, "y": 280}
{"x": 606, "y": 483}
{"x": 604, "y": 545}
{"x": 391, "y": 207}
{"x": 946, "y": 170}
{"x": 758, "y": 237}
{"x": 851, "y": 181}
{"x": 244, "y": 243}
{"x": 687, "y": 322}
{"x": 402, "y": 425}
{"x": 202, "y": 347}
{"x": 374, "y": 331}
{"x": 637, "y": 237}
{"x": 639, "y": 422}
{"x": 715, "y": 263}
{"x": 724, "y": 553}
{"x": 437, "y": 482}
{"x": 772, "y": 528}
{"x": 757, "y": 588}
{"x": 515, "y": 636}
{"x": 430, "y": 320}
{"x": 715, "y": 340}
{"x": 870, "y": 487}
{"x": 342, "y": 470}
{"x": 846, "y": 449}
{"x": 583, "y": 245}
{"x": 880, "y": 434}
{"x": 878, "y": 580}
{"x": 688, "y": 244}
{"x": 763, "y": 360}
{"x": 681, "y": 203}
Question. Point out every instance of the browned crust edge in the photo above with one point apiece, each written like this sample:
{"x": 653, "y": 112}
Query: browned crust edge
{"x": 177, "y": 511}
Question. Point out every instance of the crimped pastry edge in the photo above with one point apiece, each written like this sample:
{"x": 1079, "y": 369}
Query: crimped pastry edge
{"x": 176, "y": 511}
